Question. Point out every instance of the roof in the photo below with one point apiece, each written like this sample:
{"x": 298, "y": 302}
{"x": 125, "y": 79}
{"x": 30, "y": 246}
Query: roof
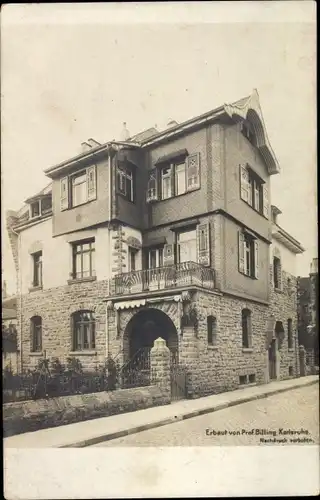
{"x": 286, "y": 239}
{"x": 246, "y": 108}
{"x": 44, "y": 192}
{"x": 144, "y": 135}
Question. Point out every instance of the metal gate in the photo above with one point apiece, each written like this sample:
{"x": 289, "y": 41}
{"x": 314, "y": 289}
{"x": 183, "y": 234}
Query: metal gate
{"x": 178, "y": 382}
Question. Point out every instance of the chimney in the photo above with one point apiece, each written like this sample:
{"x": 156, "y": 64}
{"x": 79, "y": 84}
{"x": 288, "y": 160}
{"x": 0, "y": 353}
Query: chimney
{"x": 172, "y": 123}
{"x": 85, "y": 146}
{"x": 125, "y": 132}
{"x": 93, "y": 143}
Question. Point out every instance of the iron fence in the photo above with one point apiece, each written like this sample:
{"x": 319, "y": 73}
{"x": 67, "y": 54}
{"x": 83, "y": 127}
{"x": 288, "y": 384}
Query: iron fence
{"x": 136, "y": 371}
{"x": 36, "y": 386}
{"x": 160, "y": 278}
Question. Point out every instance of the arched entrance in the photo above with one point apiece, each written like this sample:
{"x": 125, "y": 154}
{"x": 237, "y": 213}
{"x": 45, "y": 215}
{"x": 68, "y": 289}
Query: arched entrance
{"x": 145, "y": 327}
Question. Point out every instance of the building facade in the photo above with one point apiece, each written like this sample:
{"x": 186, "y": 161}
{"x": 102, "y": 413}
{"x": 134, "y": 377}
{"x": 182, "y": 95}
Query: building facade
{"x": 308, "y": 310}
{"x": 164, "y": 234}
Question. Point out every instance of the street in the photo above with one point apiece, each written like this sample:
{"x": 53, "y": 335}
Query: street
{"x": 289, "y": 418}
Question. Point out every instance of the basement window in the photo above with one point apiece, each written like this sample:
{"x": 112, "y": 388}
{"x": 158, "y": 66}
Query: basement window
{"x": 252, "y": 378}
{"x": 242, "y": 379}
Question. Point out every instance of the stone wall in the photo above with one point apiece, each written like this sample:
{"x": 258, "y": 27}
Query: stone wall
{"x": 28, "y": 416}
{"x": 217, "y": 368}
{"x": 55, "y": 306}
{"x": 283, "y": 306}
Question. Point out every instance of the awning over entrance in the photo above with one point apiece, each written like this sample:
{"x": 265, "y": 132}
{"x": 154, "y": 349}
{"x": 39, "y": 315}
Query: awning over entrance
{"x": 130, "y": 304}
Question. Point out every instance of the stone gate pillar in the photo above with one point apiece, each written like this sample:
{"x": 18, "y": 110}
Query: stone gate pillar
{"x": 189, "y": 357}
{"x": 160, "y": 366}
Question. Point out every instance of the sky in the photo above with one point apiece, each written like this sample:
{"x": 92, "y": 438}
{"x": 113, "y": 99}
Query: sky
{"x": 74, "y": 74}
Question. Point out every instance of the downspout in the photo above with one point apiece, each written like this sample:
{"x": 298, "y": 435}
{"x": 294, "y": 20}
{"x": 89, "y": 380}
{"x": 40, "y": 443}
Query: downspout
{"x": 109, "y": 248}
{"x": 19, "y": 283}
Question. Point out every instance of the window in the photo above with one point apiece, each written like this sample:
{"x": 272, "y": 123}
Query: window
{"x": 37, "y": 269}
{"x": 175, "y": 178}
{"x": 152, "y": 189}
{"x": 46, "y": 205}
{"x": 277, "y": 272}
{"x": 155, "y": 258}
{"x": 83, "y": 188}
{"x": 290, "y": 336}
{"x": 79, "y": 189}
{"x": 83, "y": 331}
{"x": 246, "y": 329}
{"x": 36, "y": 334}
{"x": 253, "y": 190}
{"x": 166, "y": 183}
{"x": 243, "y": 379}
{"x": 132, "y": 259}
{"x": 187, "y": 246}
{"x": 252, "y": 378}
{"x": 83, "y": 259}
{"x": 248, "y": 131}
{"x": 180, "y": 178}
{"x": 193, "y": 171}
{"x": 291, "y": 373}
{"x": 212, "y": 330}
{"x": 248, "y": 255}
{"x": 125, "y": 183}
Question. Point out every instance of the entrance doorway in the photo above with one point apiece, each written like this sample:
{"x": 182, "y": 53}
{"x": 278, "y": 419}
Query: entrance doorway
{"x": 145, "y": 327}
{"x": 273, "y": 360}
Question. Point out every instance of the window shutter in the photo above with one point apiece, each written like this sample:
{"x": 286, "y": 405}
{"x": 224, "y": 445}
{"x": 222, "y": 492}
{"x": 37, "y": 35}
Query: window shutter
{"x": 203, "y": 244}
{"x": 256, "y": 259}
{"x": 64, "y": 193}
{"x": 193, "y": 171}
{"x": 168, "y": 255}
{"x": 265, "y": 202}
{"x": 244, "y": 183}
{"x": 241, "y": 251}
{"x": 91, "y": 183}
{"x": 152, "y": 188}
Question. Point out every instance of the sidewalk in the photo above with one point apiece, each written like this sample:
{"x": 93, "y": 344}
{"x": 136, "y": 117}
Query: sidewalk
{"x": 103, "y": 429}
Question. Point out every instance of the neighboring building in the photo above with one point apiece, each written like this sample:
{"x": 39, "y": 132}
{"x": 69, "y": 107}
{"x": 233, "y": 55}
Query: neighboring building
{"x": 162, "y": 234}
{"x": 308, "y": 309}
{"x": 10, "y": 354}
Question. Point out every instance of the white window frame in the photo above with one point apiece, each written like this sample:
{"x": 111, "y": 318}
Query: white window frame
{"x": 73, "y": 178}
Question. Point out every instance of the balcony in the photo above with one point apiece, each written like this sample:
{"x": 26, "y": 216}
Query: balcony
{"x": 163, "y": 278}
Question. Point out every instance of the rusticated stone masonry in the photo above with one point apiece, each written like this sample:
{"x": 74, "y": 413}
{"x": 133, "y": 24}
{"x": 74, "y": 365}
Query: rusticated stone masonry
{"x": 283, "y": 306}
{"x": 160, "y": 366}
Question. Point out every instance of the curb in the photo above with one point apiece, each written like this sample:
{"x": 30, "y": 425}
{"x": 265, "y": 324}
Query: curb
{"x": 177, "y": 418}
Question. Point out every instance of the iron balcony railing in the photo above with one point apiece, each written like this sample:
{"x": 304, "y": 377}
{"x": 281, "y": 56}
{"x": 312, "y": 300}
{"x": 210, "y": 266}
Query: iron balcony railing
{"x": 162, "y": 278}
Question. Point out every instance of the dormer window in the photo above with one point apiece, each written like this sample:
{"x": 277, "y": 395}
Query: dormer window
{"x": 40, "y": 207}
{"x": 35, "y": 209}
